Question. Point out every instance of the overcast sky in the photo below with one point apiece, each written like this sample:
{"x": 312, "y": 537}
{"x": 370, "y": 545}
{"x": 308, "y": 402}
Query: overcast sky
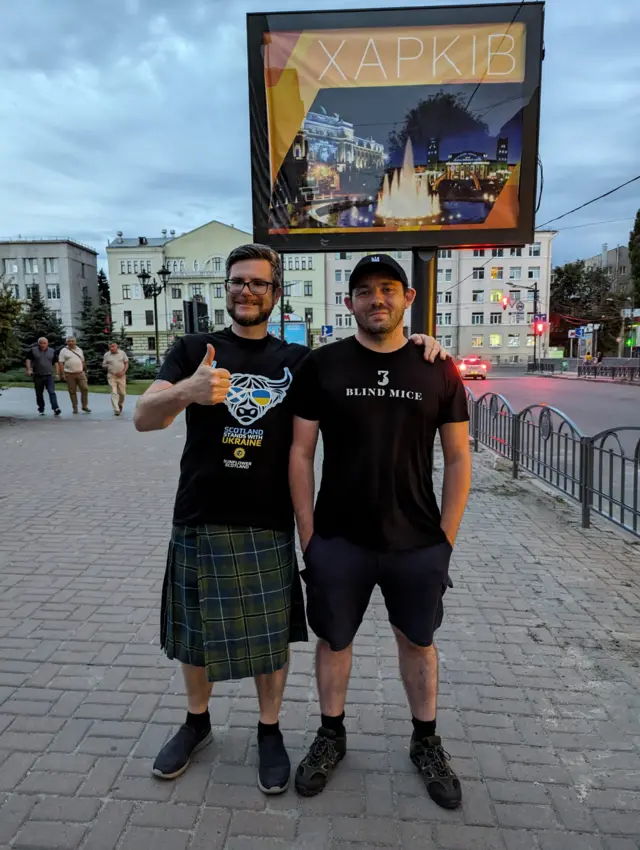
{"x": 132, "y": 115}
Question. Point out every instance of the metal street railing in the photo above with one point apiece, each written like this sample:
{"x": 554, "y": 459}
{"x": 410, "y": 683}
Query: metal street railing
{"x": 541, "y": 367}
{"x": 601, "y": 473}
{"x": 617, "y": 373}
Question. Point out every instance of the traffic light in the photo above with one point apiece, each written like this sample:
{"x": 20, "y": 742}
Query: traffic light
{"x": 539, "y": 328}
{"x": 505, "y": 302}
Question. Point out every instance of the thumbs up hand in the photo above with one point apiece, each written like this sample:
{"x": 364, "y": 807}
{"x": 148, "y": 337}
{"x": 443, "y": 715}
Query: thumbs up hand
{"x": 209, "y": 385}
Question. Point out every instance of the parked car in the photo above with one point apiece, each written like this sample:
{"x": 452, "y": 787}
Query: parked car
{"x": 473, "y": 367}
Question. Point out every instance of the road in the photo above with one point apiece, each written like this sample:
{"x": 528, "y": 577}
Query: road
{"x": 592, "y": 406}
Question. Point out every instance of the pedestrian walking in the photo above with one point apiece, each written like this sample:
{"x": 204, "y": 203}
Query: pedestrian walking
{"x": 232, "y": 597}
{"x": 73, "y": 369}
{"x": 376, "y": 520}
{"x": 116, "y": 362}
{"x": 41, "y": 365}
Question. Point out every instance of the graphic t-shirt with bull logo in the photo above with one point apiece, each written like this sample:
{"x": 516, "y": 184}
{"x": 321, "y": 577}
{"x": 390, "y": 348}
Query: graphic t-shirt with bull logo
{"x": 234, "y": 468}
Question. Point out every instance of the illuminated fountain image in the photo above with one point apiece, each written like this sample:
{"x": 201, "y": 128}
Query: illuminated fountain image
{"x": 406, "y": 196}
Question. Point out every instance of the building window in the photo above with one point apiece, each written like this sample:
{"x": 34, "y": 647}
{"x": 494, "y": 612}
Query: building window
{"x": 534, "y": 249}
{"x": 445, "y": 254}
{"x": 338, "y": 320}
{"x": 290, "y": 263}
{"x": 304, "y": 264}
{"x": 478, "y": 273}
{"x": 128, "y": 318}
{"x": 297, "y": 263}
{"x": 477, "y": 296}
{"x": 531, "y": 294}
{"x": 447, "y": 297}
{"x": 447, "y": 319}
{"x": 11, "y": 266}
{"x": 177, "y": 317}
{"x": 196, "y": 266}
{"x": 310, "y": 263}
{"x": 218, "y": 291}
{"x": 478, "y": 252}
{"x": 308, "y": 314}
{"x": 477, "y": 318}
{"x": 83, "y": 270}
{"x": 514, "y": 340}
{"x": 495, "y": 296}
{"x": 151, "y": 343}
{"x": 135, "y": 267}
{"x": 51, "y": 265}
{"x": 218, "y": 317}
{"x": 308, "y": 287}
{"x": 477, "y": 341}
{"x": 348, "y": 320}
{"x": 31, "y": 288}
{"x": 148, "y": 317}
{"x": 128, "y": 341}
{"x": 14, "y": 289}
{"x": 53, "y": 291}
{"x": 182, "y": 268}
{"x": 347, "y": 274}
{"x": 343, "y": 255}
{"x": 534, "y": 273}
{"x": 444, "y": 275}
{"x": 495, "y": 318}
{"x": 530, "y": 317}
{"x": 439, "y": 339}
{"x": 516, "y": 252}
{"x": 123, "y": 267}
{"x": 495, "y": 340}
{"x": 286, "y": 289}
{"x": 129, "y": 267}
{"x": 339, "y": 299}
{"x": 497, "y": 273}
{"x": 514, "y": 294}
{"x": 338, "y": 275}
{"x": 497, "y": 252}
{"x": 447, "y": 341}
{"x": 126, "y": 292}
{"x": 438, "y": 319}
{"x": 439, "y": 298}
{"x": 196, "y": 289}
{"x": 515, "y": 273}
{"x": 176, "y": 292}
{"x": 149, "y": 266}
{"x": 217, "y": 264}
{"x": 174, "y": 266}
{"x": 530, "y": 340}
{"x": 31, "y": 265}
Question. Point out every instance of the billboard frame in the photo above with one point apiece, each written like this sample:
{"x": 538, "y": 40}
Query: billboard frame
{"x": 259, "y": 23}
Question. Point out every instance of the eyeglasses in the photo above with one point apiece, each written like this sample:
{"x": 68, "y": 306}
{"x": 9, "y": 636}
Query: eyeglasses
{"x": 235, "y": 285}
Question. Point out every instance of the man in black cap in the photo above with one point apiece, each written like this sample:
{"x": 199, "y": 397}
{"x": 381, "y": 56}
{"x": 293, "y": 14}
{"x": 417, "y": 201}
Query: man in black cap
{"x": 377, "y": 521}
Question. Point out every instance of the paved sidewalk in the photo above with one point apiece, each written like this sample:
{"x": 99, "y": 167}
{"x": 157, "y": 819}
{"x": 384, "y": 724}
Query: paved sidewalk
{"x": 539, "y": 704}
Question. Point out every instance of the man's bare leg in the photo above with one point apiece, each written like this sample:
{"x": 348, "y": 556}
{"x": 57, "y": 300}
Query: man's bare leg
{"x": 419, "y": 671}
{"x": 332, "y": 675}
{"x": 270, "y": 688}
{"x": 174, "y": 758}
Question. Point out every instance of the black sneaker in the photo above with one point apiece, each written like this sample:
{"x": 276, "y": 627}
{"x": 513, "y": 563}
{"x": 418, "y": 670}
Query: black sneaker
{"x": 326, "y": 752}
{"x": 57, "y": 411}
{"x": 432, "y": 762}
{"x": 274, "y": 767}
{"x": 173, "y": 759}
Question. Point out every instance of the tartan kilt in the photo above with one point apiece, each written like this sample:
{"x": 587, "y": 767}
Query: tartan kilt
{"x": 231, "y": 600}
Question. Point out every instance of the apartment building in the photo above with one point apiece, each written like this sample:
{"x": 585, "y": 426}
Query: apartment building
{"x": 471, "y": 284}
{"x": 304, "y": 289}
{"x": 62, "y": 269}
{"x": 615, "y": 264}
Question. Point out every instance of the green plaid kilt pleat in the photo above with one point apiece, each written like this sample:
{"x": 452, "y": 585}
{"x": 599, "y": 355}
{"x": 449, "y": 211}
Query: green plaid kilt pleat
{"x": 232, "y": 600}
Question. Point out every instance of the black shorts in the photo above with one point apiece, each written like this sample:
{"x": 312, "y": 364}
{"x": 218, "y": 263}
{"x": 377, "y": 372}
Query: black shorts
{"x": 341, "y": 576}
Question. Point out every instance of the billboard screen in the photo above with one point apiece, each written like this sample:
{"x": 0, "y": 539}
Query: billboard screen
{"x": 395, "y": 127}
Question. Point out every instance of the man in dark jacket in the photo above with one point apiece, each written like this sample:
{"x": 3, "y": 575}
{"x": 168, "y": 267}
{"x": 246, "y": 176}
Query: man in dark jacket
{"x": 41, "y": 362}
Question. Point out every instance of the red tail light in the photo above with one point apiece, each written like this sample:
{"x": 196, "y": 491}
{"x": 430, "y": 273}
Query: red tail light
{"x": 483, "y": 366}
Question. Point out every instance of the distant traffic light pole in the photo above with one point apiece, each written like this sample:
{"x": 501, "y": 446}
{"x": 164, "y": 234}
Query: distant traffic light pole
{"x": 505, "y": 304}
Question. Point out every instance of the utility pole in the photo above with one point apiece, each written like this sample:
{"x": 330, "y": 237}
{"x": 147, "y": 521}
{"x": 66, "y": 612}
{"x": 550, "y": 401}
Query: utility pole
{"x": 535, "y": 334}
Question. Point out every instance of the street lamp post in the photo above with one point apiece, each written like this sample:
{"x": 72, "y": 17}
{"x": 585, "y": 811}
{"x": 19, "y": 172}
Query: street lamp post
{"x": 151, "y": 289}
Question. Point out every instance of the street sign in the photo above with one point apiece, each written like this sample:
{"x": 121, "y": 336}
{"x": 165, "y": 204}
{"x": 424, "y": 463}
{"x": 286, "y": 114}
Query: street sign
{"x": 540, "y": 317}
{"x": 572, "y": 334}
{"x": 580, "y": 333}
{"x": 326, "y": 330}
{"x": 519, "y": 307}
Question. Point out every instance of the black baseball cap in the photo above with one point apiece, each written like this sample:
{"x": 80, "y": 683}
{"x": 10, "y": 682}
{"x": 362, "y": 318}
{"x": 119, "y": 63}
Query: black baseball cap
{"x": 375, "y": 263}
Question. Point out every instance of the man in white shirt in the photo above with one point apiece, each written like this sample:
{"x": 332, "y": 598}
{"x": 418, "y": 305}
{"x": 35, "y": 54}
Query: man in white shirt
{"x": 72, "y": 367}
{"x": 116, "y": 363}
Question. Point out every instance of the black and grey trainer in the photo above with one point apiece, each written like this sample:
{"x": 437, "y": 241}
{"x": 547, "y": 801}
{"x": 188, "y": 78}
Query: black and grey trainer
{"x": 173, "y": 759}
{"x": 324, "y": 755}
{"x": 274, "y": 767}
{"x": 432, "y": 762}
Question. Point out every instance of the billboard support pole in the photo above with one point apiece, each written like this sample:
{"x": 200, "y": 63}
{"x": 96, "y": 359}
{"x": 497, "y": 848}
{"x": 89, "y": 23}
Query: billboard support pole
{"x": 424, "y": 271}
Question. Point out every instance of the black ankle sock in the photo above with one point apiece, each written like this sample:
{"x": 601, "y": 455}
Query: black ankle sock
{"x": 424, "y": 728}
{"x": 334, "y": 724}
{"x": 199, "y": 722}
{"x": 266, "y": 729}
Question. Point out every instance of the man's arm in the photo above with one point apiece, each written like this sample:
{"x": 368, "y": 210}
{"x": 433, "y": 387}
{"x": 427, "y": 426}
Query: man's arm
{"x": 301, "y": 477}
{"x": 27, "y": 364}
{"x": 163, "y": 401}
{"x": 454, "y": 437}
{"x": 126, "y": 365}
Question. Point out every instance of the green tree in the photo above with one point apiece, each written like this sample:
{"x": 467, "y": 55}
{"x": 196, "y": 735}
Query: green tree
{"x": 38, "y": 320}
{"x": 9, "y": 311}
{"x": 94, "y": 338}
{"x": 104, "y": 292}
{"x": 634, "y": 259}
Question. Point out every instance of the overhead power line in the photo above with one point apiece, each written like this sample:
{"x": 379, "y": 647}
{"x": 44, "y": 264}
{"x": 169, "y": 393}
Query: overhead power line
{"x": 592, "y": 201}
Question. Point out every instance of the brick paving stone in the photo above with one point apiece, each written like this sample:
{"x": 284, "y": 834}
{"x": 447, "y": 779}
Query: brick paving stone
{"x": 538, "y": 705}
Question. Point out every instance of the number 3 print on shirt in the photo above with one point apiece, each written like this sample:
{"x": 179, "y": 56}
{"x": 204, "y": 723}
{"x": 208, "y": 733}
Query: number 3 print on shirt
{"x": 384, "y": 378}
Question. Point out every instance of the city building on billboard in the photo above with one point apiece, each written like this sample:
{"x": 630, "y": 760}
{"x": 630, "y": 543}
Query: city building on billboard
{"x": 62, "y": 269}
{"x": 471, "y": 286}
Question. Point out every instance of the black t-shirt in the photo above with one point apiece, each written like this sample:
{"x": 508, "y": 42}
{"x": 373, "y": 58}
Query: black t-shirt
{"x": 378, "y": 415}
{"x": 234, "y": 468}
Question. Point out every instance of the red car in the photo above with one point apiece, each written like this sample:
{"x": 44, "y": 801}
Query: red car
{"x": 473, "y": 367}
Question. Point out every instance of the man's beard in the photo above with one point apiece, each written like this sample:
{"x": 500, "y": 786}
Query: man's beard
{"x": 379, "y": 329}
{"x": 245, "y": 321}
